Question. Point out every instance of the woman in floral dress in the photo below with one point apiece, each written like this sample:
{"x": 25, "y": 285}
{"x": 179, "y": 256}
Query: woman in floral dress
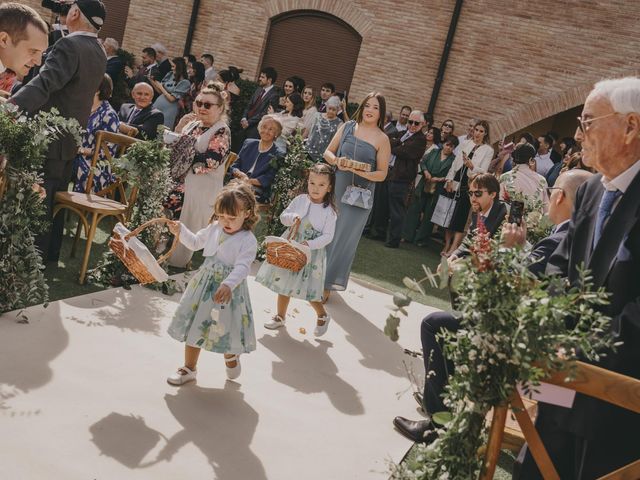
{"x": 192, "y": 201}
{"x": 103, "y": 117}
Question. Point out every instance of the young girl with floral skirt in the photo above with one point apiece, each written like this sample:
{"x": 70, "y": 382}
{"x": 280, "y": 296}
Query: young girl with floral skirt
{"x": 215, "y": 310}
{"x": 316, "y": 212}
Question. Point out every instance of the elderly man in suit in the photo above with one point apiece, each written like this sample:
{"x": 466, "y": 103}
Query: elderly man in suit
{"x": 264, "y": 96}
{"x": 23, "y": 38}
{"x": 67, "y": 81}
{"x": 593, "y": 437}
{"x": 141, "y": 115}
{"x": 407, "y": 149}
{"x": 560, "y": 208}
{"x": 115, "y": 66}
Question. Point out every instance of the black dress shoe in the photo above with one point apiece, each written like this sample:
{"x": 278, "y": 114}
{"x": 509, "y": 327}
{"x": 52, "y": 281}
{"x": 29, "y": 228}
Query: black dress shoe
{"x": 422, "y": 431}
{"x": 392, "y": 245}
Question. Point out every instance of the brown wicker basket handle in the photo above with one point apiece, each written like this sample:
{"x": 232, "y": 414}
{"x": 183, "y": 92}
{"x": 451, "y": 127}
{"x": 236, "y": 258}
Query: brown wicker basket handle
{"x": 176, "y": 238}
{"x": 294, "y": 229}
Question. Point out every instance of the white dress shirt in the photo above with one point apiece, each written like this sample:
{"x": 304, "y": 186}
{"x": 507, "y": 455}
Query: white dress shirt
{"x": 543, "y": 163}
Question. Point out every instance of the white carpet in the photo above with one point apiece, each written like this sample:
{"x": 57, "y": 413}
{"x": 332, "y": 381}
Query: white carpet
{"x": 83, "y": 393}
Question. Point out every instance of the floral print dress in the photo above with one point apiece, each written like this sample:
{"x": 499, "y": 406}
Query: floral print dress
{"x": 104, "y": 118}
{"x": 215, "y": 327}
{"x": 308, "y": 283}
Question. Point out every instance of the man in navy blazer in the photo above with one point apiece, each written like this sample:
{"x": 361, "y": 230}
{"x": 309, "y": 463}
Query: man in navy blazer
{"x": 266, "y": 94}
{"x": 593, "y": 438}
{"x": 141, "y": 114}
{"x": 560, "y": 207}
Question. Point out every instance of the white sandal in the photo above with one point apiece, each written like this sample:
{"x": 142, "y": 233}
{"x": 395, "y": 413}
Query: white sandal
{"x": 275, "y": 323}
{"x": 233, "y": 372}
{"x": 181, "y": 376}
{"x": 320, "y": 330}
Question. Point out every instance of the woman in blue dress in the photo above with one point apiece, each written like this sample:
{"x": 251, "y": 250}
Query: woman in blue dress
{"x": 363, "y": 140}
{"x": 174, "y": 86}
{"x": 103, "y": 117}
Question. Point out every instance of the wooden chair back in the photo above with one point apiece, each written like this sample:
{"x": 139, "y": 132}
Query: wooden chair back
{"x": 230, "y": 160}
{"x": 122, "y": 142}
{"x": 587, "y": 379}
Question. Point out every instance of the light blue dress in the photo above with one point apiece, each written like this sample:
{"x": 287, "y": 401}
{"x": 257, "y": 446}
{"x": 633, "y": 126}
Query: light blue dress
{"x": 178, "y": 90}
{"x": 306, "y": 284}
{"x": 202, "y": 323}
{"x": 351, "y": 219}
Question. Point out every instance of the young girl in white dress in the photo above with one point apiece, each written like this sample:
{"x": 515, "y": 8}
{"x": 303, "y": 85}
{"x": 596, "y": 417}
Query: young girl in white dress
{"x": 316, "y": 212}
{"x": 215, "y": 310}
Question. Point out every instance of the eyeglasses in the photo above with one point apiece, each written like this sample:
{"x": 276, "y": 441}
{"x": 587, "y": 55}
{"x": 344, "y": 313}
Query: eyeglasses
{"x": 477, "y": 193}
{"x": 447, "y": 125}
{"x": 551, "y": 189}
{"x": 414, "y": 122}
{"x": 205, "y": 105}
{"x": 583, "y": 124}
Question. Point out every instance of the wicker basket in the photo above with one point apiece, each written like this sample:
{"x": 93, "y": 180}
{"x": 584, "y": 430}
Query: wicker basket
{"x": 136, "y": 256}
{"x": 284, "y": 253}
{"x": 348, "y": 163}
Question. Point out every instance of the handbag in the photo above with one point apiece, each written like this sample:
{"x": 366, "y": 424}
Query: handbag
{"x": 354, "y": 195}
{"x": 443, "y": 212}
{"x": 182, "y": 154}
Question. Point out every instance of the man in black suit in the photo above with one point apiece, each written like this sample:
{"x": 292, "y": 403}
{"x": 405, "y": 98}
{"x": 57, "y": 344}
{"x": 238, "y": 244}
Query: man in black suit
{"x": 407, "y": 149}
{"x": 327, "y": 90}
{"x": 264, "y": 96}
{"x": 593, "y": 437}
{"x": 164, "y": 65}
{"x": 115, "y": 66}
{"x": 141, "y": 113}
{"x": 148, "y": 64}
{"x": 561, "y": 203}
{"x": 67, "y": 81}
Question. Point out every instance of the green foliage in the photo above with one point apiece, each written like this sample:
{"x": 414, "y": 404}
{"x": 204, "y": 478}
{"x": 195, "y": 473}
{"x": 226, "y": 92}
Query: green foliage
{"x": 23, "y": 142}
{"x": 287, "y": 184}
{"x": 247, "y": 87}
{"x": 145, "y": 166}
{"x": 512, "y": 331}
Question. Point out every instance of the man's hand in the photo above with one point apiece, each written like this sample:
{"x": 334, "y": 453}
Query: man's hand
{"x": 128, "y": 72}
{"x": 513, "y": 235}
{"x": 244, "y": 124}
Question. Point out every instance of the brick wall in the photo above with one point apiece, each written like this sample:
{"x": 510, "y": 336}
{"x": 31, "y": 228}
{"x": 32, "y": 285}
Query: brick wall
{"x": 513, "y": 62}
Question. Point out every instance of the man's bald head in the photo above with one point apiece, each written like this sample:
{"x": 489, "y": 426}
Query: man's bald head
{"x": 142, "y": 94}
{"x": 563, "y": 194}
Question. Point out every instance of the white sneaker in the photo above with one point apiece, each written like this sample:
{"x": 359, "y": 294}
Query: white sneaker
{"x": 320, "y": 330}
{"x": 275, "y": 323}
{"x": 182, "y": 376}
{"x": 233, "y": 372}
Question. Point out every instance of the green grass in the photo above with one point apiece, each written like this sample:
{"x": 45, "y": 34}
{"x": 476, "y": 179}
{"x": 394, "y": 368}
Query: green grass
{"x": 386, "y": 267}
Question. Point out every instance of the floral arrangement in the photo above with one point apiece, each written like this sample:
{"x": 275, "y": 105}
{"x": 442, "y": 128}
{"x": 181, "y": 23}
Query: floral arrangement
{"x": 23, "y": 143}
{"x": 512, "y": 331}
{"x": 145, "y": 166}
{"x": 287, "y": 184}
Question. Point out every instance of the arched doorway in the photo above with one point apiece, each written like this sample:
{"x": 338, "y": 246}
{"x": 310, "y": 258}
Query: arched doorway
{"x": 316, "y": 46}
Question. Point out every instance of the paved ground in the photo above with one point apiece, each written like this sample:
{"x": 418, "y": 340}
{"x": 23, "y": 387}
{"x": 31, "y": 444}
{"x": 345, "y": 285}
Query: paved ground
{"x": 83, "y": 393}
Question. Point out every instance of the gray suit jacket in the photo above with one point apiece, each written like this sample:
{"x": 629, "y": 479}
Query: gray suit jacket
{"x": 67, "y": 81}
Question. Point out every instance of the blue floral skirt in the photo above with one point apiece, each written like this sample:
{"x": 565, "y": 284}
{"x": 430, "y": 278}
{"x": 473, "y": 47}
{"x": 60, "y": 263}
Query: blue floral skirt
{"x": 202, "y": 323}
{"x": 308, "y": 283}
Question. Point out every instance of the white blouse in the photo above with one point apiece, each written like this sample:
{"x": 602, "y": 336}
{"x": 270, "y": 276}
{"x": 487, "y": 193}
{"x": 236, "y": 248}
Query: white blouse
{"x": 481, "y": 159}
{"x": 238, "y": 250}
{"x": 322, "y": 219}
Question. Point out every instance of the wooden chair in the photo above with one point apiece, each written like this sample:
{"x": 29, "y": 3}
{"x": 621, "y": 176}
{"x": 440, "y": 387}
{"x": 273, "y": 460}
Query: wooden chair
{"x": 589, "y": 380}
{"x": 231, "y": 158}
{"x": 91, "y": 207}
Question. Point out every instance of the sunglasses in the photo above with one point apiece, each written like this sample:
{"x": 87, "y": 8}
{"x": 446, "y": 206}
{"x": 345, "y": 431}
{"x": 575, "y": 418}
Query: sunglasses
{"x": 447, "y": 125}
{"x": 476, "y": 193}
{"x": 205, "y": 105}
{"x": 414, "y": 122}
